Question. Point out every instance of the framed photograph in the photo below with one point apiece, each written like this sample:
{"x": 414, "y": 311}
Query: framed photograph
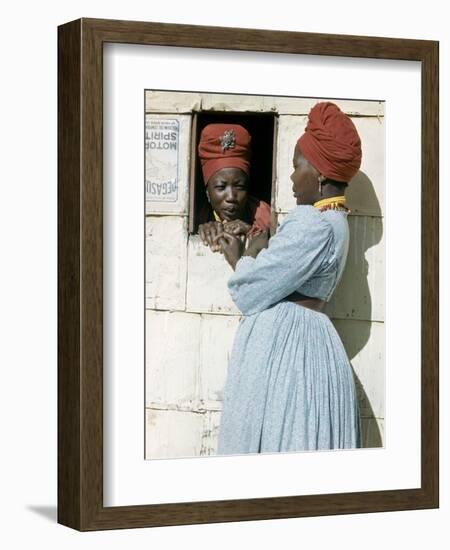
{"x": 191, "y": 385}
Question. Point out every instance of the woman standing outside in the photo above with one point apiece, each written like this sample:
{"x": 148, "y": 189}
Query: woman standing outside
{"x": 290, "y": 385}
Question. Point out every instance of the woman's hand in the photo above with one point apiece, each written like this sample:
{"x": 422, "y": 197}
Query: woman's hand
{"x": 231, "y": 247}
{"x": 257, "y": 242}
{"x": 208, "y": 232}
{"x": 236, "y": 227}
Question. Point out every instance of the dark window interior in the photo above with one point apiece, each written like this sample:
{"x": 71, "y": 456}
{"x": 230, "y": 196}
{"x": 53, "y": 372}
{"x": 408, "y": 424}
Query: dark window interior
{"x": 262, "y": 128}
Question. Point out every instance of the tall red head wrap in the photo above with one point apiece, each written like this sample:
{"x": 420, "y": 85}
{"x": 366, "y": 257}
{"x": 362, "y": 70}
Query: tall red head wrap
{"x": 224, "y": 146}
{"x": 331, "y": 142}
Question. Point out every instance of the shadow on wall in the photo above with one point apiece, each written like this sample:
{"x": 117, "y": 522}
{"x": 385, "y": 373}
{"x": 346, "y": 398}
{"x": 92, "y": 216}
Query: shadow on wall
{"x": 354, "y": 301}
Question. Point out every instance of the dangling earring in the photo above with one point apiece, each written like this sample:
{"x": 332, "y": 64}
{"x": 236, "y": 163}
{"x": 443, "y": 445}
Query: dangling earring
{"x": 207, "y": 196}
{"x": 320, "y": 179}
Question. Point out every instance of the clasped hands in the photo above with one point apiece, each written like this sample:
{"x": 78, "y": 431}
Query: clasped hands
{"x": 229, "y": 239}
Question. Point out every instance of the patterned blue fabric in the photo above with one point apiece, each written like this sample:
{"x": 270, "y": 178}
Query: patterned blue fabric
{"x": 290, "y": 385}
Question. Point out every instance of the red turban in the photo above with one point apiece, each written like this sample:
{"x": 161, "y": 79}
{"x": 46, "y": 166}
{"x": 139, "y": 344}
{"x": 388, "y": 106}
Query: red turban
{"x": 224, "y": 146}
{"x": 331, "y": 142}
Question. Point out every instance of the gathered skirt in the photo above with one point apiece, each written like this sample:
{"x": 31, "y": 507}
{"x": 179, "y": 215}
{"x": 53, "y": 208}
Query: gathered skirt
{"x": 290, "y": 385}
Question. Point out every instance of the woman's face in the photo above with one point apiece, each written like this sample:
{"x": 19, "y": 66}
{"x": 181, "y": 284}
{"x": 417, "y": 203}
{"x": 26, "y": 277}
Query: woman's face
{"x": 305, "y": 180}
{"x": 227, "y": 190}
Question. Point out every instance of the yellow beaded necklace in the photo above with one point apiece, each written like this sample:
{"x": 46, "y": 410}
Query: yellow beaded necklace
{"x": 333, "y": 203}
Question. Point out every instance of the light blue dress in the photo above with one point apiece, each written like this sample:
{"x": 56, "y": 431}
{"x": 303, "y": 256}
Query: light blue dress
{"x": 290, "y": 385}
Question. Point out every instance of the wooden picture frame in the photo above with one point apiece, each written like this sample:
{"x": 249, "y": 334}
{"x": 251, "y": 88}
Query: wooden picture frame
{"x": 80, "y": 272}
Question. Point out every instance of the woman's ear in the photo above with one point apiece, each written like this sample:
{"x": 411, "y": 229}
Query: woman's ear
{"x": 207, "y": 196}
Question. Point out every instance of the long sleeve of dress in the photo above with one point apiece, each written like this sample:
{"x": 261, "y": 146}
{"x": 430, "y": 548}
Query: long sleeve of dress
{"x": 301, "y": 248}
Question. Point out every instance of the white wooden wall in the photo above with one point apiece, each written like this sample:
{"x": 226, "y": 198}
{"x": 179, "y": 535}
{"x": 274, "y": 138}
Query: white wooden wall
{"x": 189, "y": 310}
